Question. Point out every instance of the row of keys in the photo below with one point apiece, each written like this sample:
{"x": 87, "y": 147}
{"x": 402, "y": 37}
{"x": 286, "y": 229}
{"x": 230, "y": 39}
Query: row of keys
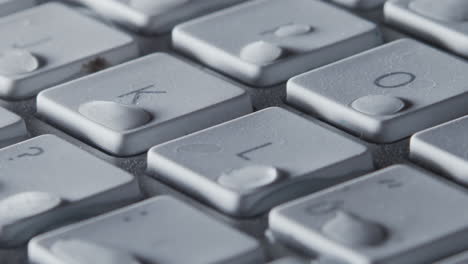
{"x": 32, "y": 57}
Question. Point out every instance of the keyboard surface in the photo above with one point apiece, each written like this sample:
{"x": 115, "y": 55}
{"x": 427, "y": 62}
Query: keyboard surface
{"x": 233, "y": 132}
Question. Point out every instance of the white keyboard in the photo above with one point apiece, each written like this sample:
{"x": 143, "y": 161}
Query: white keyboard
{"x": 233, "y": 132}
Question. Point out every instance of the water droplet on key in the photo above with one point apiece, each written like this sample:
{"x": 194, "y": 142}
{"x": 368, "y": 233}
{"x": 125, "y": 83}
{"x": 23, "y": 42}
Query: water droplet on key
{"x": 292, "y": 30}
{"x": 378, "y": 105}
{"x": 250, "y": 178}
{"x": 446, "y": 10}
{"x": 25, "y": 205}
{"x": 352, "y": 230}
{"x": 156, "y": 6}
{"x": 114, "y": 115}
{"x": 261, "y": 52}
{"x": 85, "y": 252}
{"x": 17, "y": 61}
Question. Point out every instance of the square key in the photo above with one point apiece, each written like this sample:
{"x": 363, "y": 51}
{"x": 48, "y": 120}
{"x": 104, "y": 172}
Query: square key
{"x": 46, "y": 182}
{"x": 248, "y": 165}
{"x": 386, "y": 94}
{"x": 276, "y": 40}
{"x": 154, "y": 16}
{"x": 8, "y": 7}
{"x": 400, "y": 214}
{"x": 160, "y": 230}
{"x": 443, "y": 149}
{"x": 12, "y": 127}
{"x": 51, "y": 44}
{"x": 128, "y": 109}
{"x": 444, "y": 22}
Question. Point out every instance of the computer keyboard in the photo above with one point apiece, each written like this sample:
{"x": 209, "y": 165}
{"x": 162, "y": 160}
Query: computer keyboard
{"x": 233, "y": 132}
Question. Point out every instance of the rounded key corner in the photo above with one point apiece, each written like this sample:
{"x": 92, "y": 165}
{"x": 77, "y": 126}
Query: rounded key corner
{"x": 9, "y": 89}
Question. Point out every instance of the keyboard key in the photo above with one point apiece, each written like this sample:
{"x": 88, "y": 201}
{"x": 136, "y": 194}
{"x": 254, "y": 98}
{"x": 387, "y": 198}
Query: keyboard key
{"x": 360, "y": 4}
{"x": 8, "y": 7}
{"x": 132, "y": 107}
{"x": 248, "y": 165}
{"x": 154, "y": 17}
{"x": 441, "y": 22}
{"x": 290, "y": 37}
{"x": 396, "y": 215}
{"x": 443, "y": 149}
{"x": 12, "y": 127}
{"x": 46, "y": 182}
{"x": 40, "y": 47}
{"x": 160, "y": 230}
{"x": 386, "y": 94}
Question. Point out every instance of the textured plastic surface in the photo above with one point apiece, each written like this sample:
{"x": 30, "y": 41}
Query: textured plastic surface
{"x": 178, "y": 97}
{"x": 442, "y": 22}
{"x": 158, "y": 230}
{"x": 51, "y": 169}
{"x": 221, "y": 42}
{"x": 385, "y": 94}
{"x": 43, "y": 32}
{"x": 154, "y": 16}
{"x": 422, "y": 214}
{"x": 443, "y": 149}
{"x": 246, "y": 166}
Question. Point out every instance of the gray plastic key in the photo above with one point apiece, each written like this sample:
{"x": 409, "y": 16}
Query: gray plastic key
{"x": 360, "y": 4}
{"x": 12, "y": 127}
{"x": 442, "y": 22}
{"x": 160, "y": 230}
{"x": 385, "y": 94}
{"x": 290, "y": 37}
{"x": 154, "y": 17}
{"x": 400, "y": 214}
{"x": 8, "y": 7}
{"x": 443, "y": 149}
{"x": 46, "y": 182}
{"x": 130, "y": 108}
{"x": 50, "y": 44}
{"x": 248, "y": 165}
